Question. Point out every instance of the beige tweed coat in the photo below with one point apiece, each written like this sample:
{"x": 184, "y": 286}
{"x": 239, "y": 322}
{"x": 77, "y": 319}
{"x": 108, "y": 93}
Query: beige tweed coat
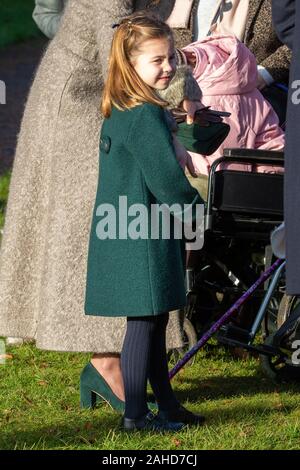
{"x": 43, "y": 254}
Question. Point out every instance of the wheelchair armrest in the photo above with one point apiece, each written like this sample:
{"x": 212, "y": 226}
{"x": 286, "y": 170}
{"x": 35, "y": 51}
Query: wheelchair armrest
{"x": 254, "y": 156}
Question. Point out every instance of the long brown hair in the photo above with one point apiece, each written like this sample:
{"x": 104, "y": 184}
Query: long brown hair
{"x": 124, "y": 89}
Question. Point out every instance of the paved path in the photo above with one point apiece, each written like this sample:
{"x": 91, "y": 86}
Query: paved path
{"x": 17, "y": 66}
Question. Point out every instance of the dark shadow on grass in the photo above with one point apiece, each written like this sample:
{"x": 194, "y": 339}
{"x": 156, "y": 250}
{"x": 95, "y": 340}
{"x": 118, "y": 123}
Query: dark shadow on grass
{"x": 220, "y": 387}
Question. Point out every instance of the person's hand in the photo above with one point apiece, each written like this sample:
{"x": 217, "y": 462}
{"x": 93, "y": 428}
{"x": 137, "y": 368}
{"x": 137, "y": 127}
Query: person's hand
{"x": 183, "y": 157}
{"x": 261, "y": 84}
{"x": 203, "y": 118}
{"x": 191, "y": 107}
{"x": 190, "y": 165}
{"x": 190, "y": 57}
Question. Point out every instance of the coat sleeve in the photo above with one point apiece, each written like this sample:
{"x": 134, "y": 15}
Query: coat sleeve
{"x": 278, "y": 63}
{"x": 150, "y": 143}
{"x": 269, "y": 136}
{"x": 47, "y": 15}
{"x": 283, "y": 12}
{"x": 105, "y": 14}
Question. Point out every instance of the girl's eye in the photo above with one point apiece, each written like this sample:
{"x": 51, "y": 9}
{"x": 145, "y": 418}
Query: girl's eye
{"x": 157, "y": 61}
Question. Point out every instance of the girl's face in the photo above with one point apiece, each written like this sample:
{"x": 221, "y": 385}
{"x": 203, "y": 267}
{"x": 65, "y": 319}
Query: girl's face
{"x": 155, "y": 62}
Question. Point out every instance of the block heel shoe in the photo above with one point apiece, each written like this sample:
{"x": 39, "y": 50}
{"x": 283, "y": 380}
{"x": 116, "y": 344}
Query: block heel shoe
{"x": 93, "y": 388}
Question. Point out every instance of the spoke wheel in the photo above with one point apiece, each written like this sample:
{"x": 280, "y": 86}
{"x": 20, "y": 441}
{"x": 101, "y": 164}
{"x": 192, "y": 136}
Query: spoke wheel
{"x": 275, "y": 367}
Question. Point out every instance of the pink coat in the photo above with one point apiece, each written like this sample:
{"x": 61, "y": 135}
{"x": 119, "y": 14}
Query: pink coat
{"x": 226, "y": 72}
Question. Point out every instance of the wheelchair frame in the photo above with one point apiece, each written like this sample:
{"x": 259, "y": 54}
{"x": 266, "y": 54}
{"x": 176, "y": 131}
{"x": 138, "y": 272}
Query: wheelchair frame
{"x": 268, "y": 218}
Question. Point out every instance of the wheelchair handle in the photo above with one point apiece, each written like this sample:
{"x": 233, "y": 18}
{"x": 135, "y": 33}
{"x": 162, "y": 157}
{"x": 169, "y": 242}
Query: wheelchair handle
{"x": 253, "y": 156}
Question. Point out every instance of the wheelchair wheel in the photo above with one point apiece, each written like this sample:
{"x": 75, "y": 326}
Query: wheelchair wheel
{"x": 276, "y": 367}
{"x": 275, "y": 315}
{"x": 190, "y": 339}
{"x": 287, "y": 305}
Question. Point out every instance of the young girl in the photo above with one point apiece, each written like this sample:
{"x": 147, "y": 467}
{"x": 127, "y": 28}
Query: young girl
{"x": 139, "y": 277}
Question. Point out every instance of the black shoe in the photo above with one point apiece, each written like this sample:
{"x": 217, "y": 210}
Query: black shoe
{"x": 182, "y": 415}
{"x": 151, "y": 422}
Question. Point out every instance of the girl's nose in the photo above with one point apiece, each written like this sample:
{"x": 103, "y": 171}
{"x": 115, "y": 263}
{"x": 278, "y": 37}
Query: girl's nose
{"x": 168, "y": 67}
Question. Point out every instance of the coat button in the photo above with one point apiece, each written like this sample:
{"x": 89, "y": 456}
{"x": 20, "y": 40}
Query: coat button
{"x": 105, "y": 143}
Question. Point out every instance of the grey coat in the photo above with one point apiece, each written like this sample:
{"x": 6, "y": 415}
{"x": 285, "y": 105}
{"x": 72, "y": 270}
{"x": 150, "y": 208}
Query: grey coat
{"x": 43, "y": 254}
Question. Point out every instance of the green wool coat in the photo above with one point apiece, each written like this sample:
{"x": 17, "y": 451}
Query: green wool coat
{"x": 141, "y": 276}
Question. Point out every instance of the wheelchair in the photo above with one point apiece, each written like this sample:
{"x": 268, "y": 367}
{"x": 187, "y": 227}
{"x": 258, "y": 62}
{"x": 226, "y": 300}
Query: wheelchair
{"x": 242, "y": 210}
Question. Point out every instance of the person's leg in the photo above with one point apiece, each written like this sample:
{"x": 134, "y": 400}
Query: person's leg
{"x": 135, "y": 364}
{"x": 109, "y": 366}
{"x": 158, "y": 370}
{"x": 169, "y": 407}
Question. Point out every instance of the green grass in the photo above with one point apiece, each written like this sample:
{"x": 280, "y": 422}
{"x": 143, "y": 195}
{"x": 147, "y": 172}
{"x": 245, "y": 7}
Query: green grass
{"x": 39, "y": 406}
{"x": 16, "y": 23}
{"x": 4, "y": 185}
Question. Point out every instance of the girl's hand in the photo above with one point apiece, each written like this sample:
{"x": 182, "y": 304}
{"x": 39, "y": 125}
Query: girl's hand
{"x": 191, "y": 107}
{"x": 183, "y": 157}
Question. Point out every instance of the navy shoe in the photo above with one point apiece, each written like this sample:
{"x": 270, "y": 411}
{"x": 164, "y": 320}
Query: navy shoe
{"x": 182, "y": 415}
{"x": 150, "y": 422}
